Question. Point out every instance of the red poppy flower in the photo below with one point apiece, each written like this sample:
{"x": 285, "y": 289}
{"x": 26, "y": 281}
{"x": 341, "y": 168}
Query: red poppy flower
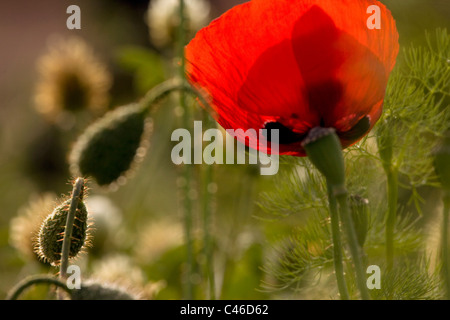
{"x": 293, "y": 65}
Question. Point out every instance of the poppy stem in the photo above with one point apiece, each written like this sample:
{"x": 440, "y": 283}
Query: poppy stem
{"x": 189, "y": 291}
{"x": 207, "y": 241}
{"x": 324, "y": 149}
{"x": 444, "y": 243}
{"x": 77, "y": 194}
{"x": 337, "y": 245}
{"x": 392, "y": 186}
{"x": 355, "y": 249}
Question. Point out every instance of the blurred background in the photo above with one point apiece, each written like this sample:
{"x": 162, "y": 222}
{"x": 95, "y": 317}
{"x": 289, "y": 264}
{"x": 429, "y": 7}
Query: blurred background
{"x": 138, "y": 232}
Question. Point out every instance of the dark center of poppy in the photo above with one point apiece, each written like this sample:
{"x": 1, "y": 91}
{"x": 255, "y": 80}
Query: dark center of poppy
{"x": 286, "y": 135}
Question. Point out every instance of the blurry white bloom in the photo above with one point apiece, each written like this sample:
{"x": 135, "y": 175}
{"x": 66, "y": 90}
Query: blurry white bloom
{"x": 163, "y": 19}
{"x": 156, "y": 238}
{"x": 107, "y": 219}
{"x": 24, "y": 227}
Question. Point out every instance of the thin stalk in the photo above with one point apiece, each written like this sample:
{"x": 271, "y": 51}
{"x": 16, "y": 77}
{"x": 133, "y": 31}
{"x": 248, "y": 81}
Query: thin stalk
{"x": 341, "y": 195}
{"x": 30, "y": 281}
{"x": 188, "y": 294}
{"x": 76, "y": 193}
{"x": 392, "y": 189}
{"x": 444, "y": 245}
{"x": 337, "y": 245}
{"x": 207, "y": 208}
{"x": 207, "y": 240}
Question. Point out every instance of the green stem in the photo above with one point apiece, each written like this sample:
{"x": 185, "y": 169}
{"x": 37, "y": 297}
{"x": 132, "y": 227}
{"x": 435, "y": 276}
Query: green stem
{"x": 187, "y": 170}
{"x": 337, "y": 245}
{"x": 207, "y": 208}
{"x": 356, "y": 251}
{"x": 77, "y": 193}
{"x": 30, "y": 281}
{"x": 444, "y": 245}
{"x": 207, "y": 214}
{"x": 392, "y": 188}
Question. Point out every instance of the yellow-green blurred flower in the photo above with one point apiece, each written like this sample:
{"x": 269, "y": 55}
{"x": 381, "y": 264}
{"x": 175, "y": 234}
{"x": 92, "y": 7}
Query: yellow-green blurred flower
{"x": 71, "y": 78}
{"x": 25, "y": 227}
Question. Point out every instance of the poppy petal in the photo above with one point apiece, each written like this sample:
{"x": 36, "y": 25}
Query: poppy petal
{"x": 294, "y": 65}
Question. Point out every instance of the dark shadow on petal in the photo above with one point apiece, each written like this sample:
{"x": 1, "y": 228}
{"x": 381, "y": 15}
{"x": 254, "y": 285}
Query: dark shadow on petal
{"x": 286, "y": 136}
{"x": 358, "y": 130}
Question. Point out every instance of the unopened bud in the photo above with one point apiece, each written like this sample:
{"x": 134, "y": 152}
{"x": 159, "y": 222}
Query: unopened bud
{"x": 359, "y": 208}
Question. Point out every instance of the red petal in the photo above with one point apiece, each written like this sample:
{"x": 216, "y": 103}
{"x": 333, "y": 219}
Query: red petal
{"x": 300, "y": 63}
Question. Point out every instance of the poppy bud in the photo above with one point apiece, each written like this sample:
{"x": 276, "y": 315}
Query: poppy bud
{"x": 101, "y": 291}
{"x": 109, "y": 148}
{"x": 324, "y": 149}
{"x": 442, "y": 161}
{"x": 385, "y": 147}
{"x": 51, "y": 234}
{"x": 359, "y": 208}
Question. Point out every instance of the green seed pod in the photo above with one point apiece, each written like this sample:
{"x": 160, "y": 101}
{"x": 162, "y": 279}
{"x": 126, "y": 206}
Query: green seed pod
{"x": 101, "y": 291}
{"x": 442, "y": 161}
{"x": 51, "y": 234}
{"x": 325, "y": 151}
{"x": 359, "y": 208}
{"x": 109, "y": 148}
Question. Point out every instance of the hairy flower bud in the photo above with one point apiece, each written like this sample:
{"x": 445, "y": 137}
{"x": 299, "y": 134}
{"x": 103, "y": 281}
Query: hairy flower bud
{"x": 51, "y": 234}
{"x": 101, "y": 291}
{"x": 110, "y": 147}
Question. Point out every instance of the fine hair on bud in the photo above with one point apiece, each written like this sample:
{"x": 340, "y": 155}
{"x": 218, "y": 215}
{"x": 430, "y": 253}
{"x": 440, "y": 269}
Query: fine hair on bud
{"x": 51, "y": 234}
{"x": 93, "y": 290}
{"x": 110, "y": 148}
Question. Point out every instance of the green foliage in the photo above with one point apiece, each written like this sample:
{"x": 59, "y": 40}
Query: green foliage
{"x": 409, "y": 280}
{"x": 146, "y": 65}
{"x": 297, "y": 188}
{"x": 307, "y": 249}
{"x": 416, "y": 115}
{"x": 416, "y": 111}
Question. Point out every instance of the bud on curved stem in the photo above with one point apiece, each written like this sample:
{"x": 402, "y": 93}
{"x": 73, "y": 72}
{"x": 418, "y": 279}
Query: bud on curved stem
{"x": 50, "y": 241}
{"x": 77, "y": 195}
{"x": 359, "y": 208}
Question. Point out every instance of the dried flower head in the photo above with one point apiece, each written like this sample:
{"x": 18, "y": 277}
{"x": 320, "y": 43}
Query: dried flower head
{"x": 71, "y": 78}
{"x": 163, "y": 19}
{"x": 24, "y": 228}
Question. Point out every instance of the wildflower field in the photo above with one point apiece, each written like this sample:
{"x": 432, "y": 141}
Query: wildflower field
{"x": 225, "y": 150}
